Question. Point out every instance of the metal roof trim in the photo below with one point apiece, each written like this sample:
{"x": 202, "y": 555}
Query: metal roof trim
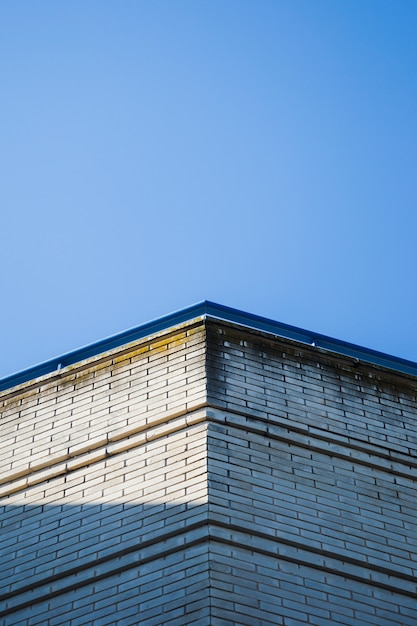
{"x": 211, "y": 310}
{"x": 103, "y": 345}
{"x": 279, "y": 329}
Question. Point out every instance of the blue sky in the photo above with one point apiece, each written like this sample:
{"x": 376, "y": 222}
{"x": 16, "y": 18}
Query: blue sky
{"x": 157, "y": 153}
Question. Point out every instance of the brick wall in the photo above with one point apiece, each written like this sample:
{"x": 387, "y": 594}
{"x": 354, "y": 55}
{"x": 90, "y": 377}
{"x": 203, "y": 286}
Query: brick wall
{"x": 209, "y": 475}
{"x": 312, "y": 484}
{"x": 104, "y": 490}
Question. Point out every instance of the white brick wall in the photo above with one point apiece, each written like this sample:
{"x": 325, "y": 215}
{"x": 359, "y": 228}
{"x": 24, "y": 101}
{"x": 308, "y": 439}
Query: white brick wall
{"x": 103, "y": 477}
{"x": 238, "y": 480}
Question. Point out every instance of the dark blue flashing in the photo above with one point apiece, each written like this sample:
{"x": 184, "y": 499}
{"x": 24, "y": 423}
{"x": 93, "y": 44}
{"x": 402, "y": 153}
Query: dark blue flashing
{"x": 212, "y": 311}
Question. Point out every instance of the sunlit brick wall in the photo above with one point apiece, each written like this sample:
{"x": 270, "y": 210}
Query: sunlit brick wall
{"x": 104, "y": 489}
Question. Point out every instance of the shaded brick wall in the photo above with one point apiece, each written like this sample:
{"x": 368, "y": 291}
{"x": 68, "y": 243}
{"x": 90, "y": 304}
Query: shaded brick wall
{"x": 312, "y": 467}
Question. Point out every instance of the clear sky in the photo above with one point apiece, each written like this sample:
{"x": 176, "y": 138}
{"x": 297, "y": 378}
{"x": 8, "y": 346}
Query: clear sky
{"x": 261, "y": 154}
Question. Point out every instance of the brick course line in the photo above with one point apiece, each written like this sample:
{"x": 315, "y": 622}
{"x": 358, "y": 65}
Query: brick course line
{"x": 265, "y": 430}
{"x": 95, "y": 577}
{"x": 213, "y": 532}
{"x": 34, "y": 475}
{"x": 37, "y": 474}
{"x": 361, "y": 565}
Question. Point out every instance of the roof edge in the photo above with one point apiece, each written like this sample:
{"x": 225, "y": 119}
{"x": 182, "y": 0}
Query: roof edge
{"x": 103, "y": 345}
{"x": 207, "y": 309}
{"x": 286, "y": 331}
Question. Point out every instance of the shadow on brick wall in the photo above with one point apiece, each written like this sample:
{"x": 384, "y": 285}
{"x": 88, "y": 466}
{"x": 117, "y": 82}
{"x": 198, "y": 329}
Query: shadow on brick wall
{"x": 61, "y": 563}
